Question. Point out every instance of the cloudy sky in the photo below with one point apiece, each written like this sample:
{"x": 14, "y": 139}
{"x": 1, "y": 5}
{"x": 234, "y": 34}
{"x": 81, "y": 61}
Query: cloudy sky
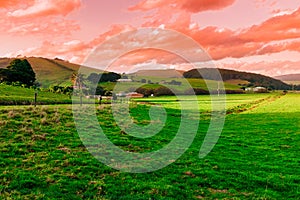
{"x": 261, "y": 36}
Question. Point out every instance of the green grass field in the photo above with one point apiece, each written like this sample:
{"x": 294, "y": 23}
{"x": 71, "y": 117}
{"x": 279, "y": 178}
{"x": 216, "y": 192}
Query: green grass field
{"x": 256, "y": 157}
{"x": 12, "y": 95}
{"x": 186, "y": 84}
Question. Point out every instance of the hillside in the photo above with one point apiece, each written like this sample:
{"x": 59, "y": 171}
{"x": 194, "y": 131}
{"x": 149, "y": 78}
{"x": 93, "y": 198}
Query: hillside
{"x": 290, "y": 78}
{"x": 12, "y": 95}
{"x": 48, "y": 71}
{"x": 252, "y": 78}
{"x": 58, "y": 72}
{"x": 166, "y": 73}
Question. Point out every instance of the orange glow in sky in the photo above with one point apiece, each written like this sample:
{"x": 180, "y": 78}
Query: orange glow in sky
{"x": 261, "y": 36}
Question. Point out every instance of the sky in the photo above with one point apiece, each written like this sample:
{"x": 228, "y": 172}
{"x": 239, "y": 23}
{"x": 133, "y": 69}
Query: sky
{"x": 260, "y": 36}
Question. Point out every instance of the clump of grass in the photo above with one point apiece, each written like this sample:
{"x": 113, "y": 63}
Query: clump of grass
{"x": 43, "y": 114}
{"x": 12, "y": 114}
{"x": 56, "y": 117}
{"x": 3, "y": 122}
{"x": 39, "y": 137}
{"x": 44, "y": 108}
{"x": 69, "y": 124}
{"x": 19, "y": 137}
{"x": 65, "y": 149}
{"x": 44, "y": 121}
{"x": 30, "y": 108}
{"x": 26, "y": 130}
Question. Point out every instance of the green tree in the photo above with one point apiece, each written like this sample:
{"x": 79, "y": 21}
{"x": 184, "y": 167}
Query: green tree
{"x": 93, "y": 78}
{"x": 18, "y": 71}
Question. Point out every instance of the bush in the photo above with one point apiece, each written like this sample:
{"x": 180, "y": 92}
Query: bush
{"x": 163, "y": 91}
{"x": 196, "y": 91}
{"x": 235, "y": 92}
{"x": 145, "y": 91}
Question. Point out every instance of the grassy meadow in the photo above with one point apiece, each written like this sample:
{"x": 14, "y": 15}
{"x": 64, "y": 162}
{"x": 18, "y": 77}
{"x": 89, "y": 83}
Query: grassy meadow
{"x": 156, "y": 83}
{"x": 12, "y": 95}
{"x": 256, "y": 157}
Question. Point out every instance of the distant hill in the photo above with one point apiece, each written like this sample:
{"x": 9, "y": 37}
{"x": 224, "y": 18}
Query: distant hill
{"x": 289, "y": 77}
{"x": 57, "y": 71}
{"x": 163, "y": 73}
{"x": 48, "y": 71}
{"x": 252, "y": 78}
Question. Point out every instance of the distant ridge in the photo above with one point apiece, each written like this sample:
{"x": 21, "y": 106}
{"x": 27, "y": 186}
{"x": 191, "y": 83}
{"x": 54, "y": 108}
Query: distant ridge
{"x": 289, "y": 77}
{"x": 254, "y": 79}
{"x": 163, "y": 73}
{"x": 58, "y": 72}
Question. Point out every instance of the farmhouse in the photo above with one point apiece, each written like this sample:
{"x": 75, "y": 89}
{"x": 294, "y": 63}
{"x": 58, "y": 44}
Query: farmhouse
{"x": 260, "y": 89}
{"x": 257, "y": 90}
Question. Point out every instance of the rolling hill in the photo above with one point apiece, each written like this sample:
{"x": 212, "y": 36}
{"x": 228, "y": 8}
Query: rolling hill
{"x": 164, "y": 73}
{"x": 48, "y": 71}
{"x": 58, "y": 72}
{"x": 229, "y": 75}
{"x": 290, "y": 78}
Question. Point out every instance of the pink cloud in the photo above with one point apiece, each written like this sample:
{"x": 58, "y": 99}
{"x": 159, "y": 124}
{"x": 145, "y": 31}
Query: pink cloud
{"x": 74, "y": 50}
{"x": 268, "y": 68}
{"x": 281, "y": 27}
{"x": 54, "y": 27}
{"x": 42, "y": 8}
{"x": 222, "y": 43}
{"x": 203, "y": 5}
{"x": 45, "y": 18}
{"x": 5, "y": 4}
{"x": 188, "y": 5}
{"x": 268, "y": 37}
{"x": 49, "y": 19}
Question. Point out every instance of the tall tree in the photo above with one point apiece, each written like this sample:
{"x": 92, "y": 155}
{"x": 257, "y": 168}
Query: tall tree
{"x": 93, "y": 78}
{"x": 18, "y": 71}
{"x": 77, "y": 80}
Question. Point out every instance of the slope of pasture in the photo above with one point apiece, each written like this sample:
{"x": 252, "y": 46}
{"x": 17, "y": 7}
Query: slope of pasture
{"x": 200, "y": 83}
{"x": 285, "y": 104}
{"x": 167, "y": 73}
{"x": 233, "y": 101}
{"x": 256, "y": 157}
{"x": 157, "y": 82}
{"x": 51, "y": 71}
{"x": 4, "y": 62}
{"x": 261, "y": 146}
{"x": 12, "y": 95}
{"x": 256, "y": 79}
{"x": 48, "y": 72}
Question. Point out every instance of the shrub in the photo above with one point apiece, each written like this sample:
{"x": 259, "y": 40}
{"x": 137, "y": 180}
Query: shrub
{"x": 163, "y": 91}
{"x": 196, "y": 91}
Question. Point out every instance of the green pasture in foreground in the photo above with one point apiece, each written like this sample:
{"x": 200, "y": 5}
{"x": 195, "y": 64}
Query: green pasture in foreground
{"x": 13, "y": 95}
{"x": 256, "y": 157}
